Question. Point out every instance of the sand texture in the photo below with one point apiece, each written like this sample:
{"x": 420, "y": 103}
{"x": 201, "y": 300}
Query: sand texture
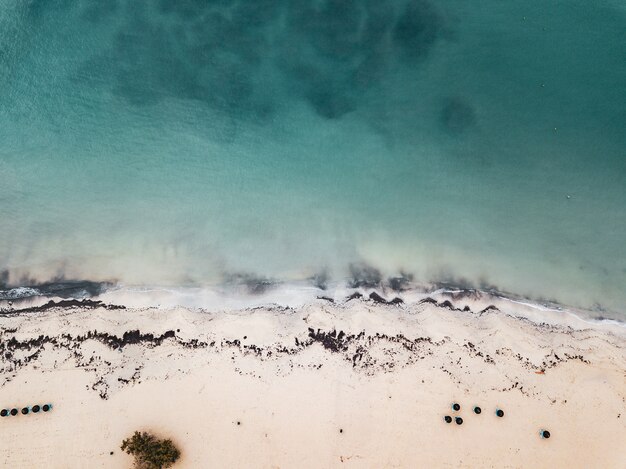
{"x": 352, "y": 384}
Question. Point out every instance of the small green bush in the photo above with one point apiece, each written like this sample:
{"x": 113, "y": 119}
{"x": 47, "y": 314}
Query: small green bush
{"x": 150, "y": 452}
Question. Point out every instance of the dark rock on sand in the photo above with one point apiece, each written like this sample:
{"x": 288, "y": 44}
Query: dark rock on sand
{"x": 379, "y": 299}
{"x": 325, "y": 298}
{"x": 354, "y": 296}
{"x": 428, "y": 300}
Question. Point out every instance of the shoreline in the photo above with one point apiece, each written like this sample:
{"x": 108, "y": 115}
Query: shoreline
{"x": 328, "y": 384}
{"x": 288, "y": 294}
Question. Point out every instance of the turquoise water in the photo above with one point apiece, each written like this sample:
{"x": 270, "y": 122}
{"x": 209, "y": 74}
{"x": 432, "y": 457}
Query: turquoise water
{"x": 181, "y": 143}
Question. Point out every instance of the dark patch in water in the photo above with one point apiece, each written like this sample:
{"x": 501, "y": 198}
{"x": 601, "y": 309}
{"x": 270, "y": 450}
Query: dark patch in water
{"x": 454, "y": 283}
{"x": 188, "y": 9}
{"x": 464, "y": 294}
{"x": 255, "y": 285}
{"x": 4, "y": 279}
{"x": 486, "y": 285}
{"x": 457, "y": 115}
{"x": 320, "y": 280}
{"x": 326, "y": 52}
{"x": 364, "y": 276}
{"x": 39, "y": 9}
{"x": 469, "y": 288}
{"x": 400, "y": 283}
{"x": 334, "y": 28}
{"x": 86, "y": 304}
{"x": 417, "y": 29}
{"x": 97, "y": 11}
{"x": 59, "y": 287}
{"x": 72, "y": 288}
{"x": 254, "y": 14}
{"x": 329, "y": 102}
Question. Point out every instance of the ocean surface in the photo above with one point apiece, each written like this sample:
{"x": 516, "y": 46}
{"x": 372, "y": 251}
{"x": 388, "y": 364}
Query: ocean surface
{"x": 193, "y": 143}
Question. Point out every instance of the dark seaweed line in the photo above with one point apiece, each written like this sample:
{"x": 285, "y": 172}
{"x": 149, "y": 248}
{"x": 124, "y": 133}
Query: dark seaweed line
{"x": 333, "y": 341}
{"x": 354, "y": 348}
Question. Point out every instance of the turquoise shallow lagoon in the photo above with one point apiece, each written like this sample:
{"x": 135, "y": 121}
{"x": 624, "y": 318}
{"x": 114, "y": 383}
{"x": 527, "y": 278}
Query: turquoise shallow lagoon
{"x": 186, "y": 142}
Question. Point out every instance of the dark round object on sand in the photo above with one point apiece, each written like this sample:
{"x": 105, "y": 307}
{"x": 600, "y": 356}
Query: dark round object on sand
{"x": 500, "y": 413}
{"x": 477, "y": 410}
{"x": 545, "y": 433}
{"x": 14, "y": 412}
{"x": 36, "y": 408}
{"x": 25, "y": 410}
{"x": 459, "y": 421}
{"x": 448, "y": 419}
{"x": 4, "y": 413}
{"x": 456, "y": 406}
{"x": 45, "y": 408}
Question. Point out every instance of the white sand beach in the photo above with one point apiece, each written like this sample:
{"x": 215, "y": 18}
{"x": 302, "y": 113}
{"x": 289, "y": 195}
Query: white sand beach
{"x": 354, "y": 384}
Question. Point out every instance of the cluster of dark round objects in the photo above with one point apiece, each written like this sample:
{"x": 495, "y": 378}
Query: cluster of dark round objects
{"x": 458, "y": 420}
{"x": 477, "y": 410}
{"x": 25, "y": 410}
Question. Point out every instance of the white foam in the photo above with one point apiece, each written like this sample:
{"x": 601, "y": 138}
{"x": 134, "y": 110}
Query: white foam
{"x": 294, "y": 295}
{"x": 298, "y": 294}
{"x": 18, "y": 292}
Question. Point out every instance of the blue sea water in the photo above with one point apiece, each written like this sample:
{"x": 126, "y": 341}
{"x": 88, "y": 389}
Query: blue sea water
{"x": 189, "y": 142}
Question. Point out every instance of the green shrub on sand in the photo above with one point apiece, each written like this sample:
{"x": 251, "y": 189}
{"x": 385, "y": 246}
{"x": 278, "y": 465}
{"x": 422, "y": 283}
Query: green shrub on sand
{"x": 150, "y": 452}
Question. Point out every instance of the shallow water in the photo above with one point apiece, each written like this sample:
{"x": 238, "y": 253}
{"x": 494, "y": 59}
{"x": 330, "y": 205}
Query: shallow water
{"x": 193, "y": 142}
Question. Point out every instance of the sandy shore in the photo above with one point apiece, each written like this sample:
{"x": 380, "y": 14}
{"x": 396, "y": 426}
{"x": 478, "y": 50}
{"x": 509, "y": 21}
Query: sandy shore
{"x": 350, "y": 384}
